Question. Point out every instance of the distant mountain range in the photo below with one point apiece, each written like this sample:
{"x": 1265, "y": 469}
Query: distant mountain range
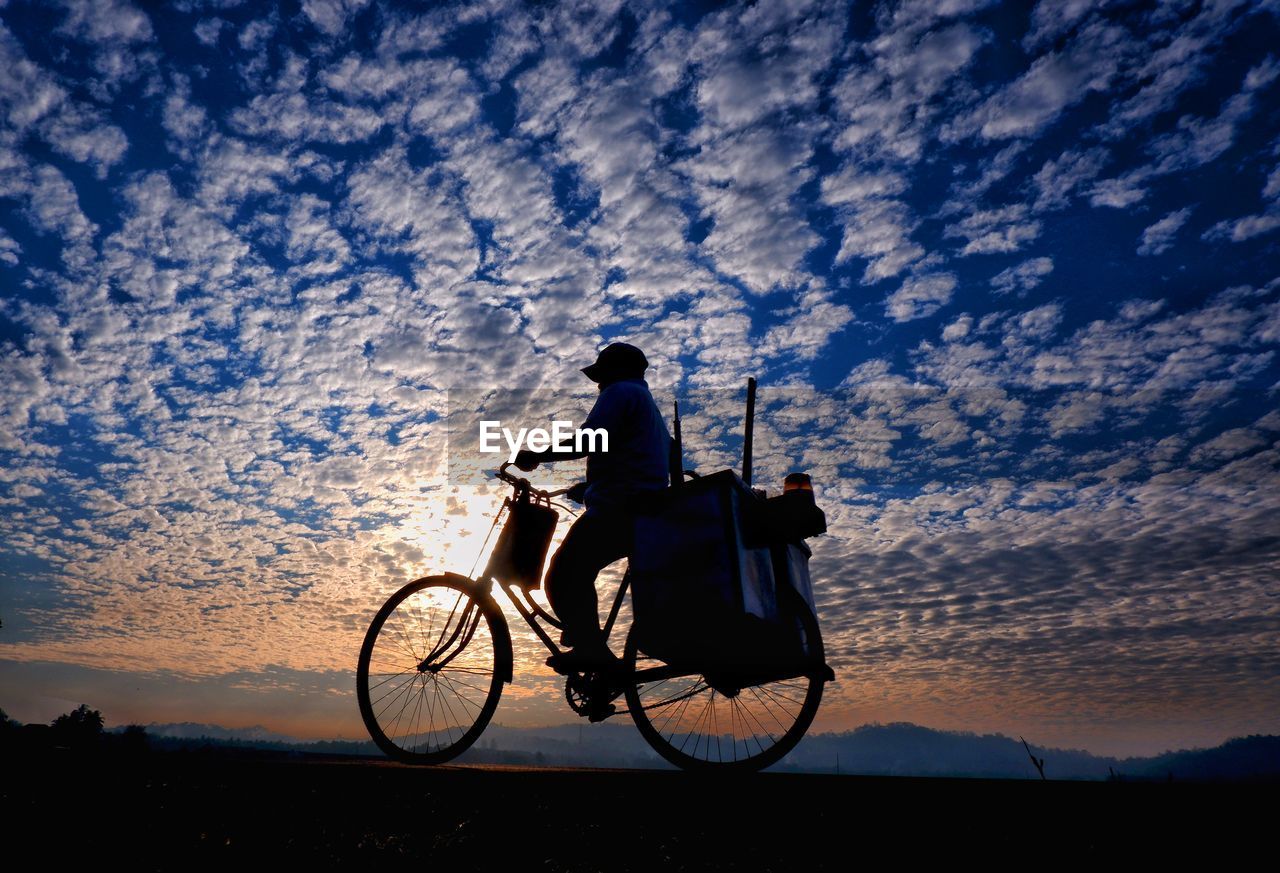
{"x": 899, "y": 749}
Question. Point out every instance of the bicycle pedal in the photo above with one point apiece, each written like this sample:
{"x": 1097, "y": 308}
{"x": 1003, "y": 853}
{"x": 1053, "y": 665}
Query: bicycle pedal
{"x": 569, "y": 662}
{"x": 600, "y": 713}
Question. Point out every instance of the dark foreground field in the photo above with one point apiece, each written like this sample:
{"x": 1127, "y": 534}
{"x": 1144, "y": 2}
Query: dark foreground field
{"x": 173, "y": 810}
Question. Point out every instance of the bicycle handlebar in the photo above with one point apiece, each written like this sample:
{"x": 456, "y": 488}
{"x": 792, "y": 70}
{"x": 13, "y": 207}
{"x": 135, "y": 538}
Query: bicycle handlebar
{"x": 521, "y": 482}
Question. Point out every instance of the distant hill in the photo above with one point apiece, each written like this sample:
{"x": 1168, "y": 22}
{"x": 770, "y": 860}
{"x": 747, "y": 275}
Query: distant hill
{"x": 899, "y": 749}
{"x": 195, "y": 730}
{"x": 1244, "y": 758}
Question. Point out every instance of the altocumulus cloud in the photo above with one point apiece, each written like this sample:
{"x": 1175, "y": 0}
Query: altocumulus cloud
{"x": 1006, "y": 273}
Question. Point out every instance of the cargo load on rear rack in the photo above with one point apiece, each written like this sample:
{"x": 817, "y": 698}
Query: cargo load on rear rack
{"x": 791, "y": 568}
{"x": 705, "y": 576}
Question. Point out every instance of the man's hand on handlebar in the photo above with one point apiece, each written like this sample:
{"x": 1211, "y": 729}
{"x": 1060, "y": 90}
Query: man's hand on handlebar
{"x": 527, "y": 460}
{"x": 577, "y": 492}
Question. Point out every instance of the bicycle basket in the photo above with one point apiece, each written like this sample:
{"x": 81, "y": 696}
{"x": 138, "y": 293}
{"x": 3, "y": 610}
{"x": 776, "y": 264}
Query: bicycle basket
{"x": 522, "y": 545}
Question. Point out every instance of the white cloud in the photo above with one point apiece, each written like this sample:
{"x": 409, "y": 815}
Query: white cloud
{"x": 1121, "y": 192}
{"x": 958, "y": 329}
{"x": 1060, "y": 178}
{"x": 331, "y": 16}
{"x": 289, "y": 114}
{"x": 880, "y": 231}
{"x": 1023, "y": 277}
{"x": 106, "y": 21}
{"x": 1228, "y": 444}
{"x": 806, "y": 334}
{"x": 401, "y": 211}
{"x": 1200, "y": 140}
{"x": 83, "y": 136}
{"x": 55, "y": 207}
{"x": 207, "y": 30}
{"x": 9, "y": 249}
{"x": 1158, "y": 238}
{"x": 1271, "y": 190}
{"x": 1246, "y": 228}
{"x": 1249, "y": 226}
{"x": 1053, "y": 83}
{"x": 989, "y": 231}
{"x": 1195, "y": 142}
{"x": 183, "y": 119}
{"x": 255, "y": 35}
{"x": 1052, "y": 19}
{"x": 1175, "y": 63}
{"x": 920, "y": 296}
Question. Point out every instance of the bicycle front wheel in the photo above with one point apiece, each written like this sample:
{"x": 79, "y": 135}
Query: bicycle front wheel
{"x": 702, "y": 723}
{"x": 431, "y": 670}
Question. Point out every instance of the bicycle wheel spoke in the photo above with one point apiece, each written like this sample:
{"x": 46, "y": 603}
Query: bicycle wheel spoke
{"x": 423, "y": 623}
{"x": 690, "y": 733}
{"x": 677, "y": 712}
{"x": 463, "y": 699}
{"x": 680, "y": 695}
{"x": 708, "y": 716}
{"x": 390, "y": 677}
{"x": 408, "y": 698}
{"x": 417, "y": 717}
{"x": 753, "y": 735}
{"x": 772, "y": 689}
{"x": 765, "y": 705}
{"x": 715, "y": 730}
{"x": 458, "y": 694}
{"x": 396, "y": 693}
{"x": 404, "y": 636}
{"x": 444, "y": 701}
{"x": 455, "y": 679}
{"x": 773, "y": 695}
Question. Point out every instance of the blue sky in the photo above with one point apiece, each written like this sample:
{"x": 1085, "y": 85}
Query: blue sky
{"x": 1006, "y": 273}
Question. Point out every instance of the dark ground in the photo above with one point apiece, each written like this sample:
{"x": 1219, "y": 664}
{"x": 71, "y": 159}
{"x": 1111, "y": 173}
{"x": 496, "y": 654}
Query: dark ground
{"x": 174, "y": 810}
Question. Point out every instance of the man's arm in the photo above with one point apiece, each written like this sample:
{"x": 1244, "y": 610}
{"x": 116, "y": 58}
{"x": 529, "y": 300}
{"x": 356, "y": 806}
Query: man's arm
{"x": 529, "y": 460}
{"x": 605, "y": 415}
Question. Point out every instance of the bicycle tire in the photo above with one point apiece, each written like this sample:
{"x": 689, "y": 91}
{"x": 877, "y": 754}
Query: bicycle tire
{"x": 391, "y": 681}
{"x": 702, "y": 727}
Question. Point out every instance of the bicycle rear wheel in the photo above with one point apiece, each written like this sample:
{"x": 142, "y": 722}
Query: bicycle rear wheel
{"x": 431, "y": 670}
{"x": 697, "y": 726}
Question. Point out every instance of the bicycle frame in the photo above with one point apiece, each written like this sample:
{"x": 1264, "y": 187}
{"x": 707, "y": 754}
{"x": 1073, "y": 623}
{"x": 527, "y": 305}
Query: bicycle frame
{"x": 530, "y": 610}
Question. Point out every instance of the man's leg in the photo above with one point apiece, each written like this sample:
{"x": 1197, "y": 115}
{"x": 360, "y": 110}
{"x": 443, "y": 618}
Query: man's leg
{"x": 593, "y": 542}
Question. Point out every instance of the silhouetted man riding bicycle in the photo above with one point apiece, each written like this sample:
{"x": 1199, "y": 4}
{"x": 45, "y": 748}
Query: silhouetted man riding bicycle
{"x": 636, "y": 463}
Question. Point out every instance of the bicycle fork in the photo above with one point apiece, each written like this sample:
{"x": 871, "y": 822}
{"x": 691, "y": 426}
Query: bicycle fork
{"x": 461, "y": 635}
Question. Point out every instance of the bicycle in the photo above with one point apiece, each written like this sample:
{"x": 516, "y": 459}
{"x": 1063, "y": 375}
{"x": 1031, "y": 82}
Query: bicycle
{"x": 437, "y": 655}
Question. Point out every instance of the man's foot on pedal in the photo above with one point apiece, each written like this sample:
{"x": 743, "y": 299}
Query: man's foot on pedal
{"x": 581, "y": 660}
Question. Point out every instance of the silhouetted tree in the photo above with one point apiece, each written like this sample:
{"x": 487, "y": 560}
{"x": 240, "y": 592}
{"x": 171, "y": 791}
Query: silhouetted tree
{"x": 80, "y": 727}
{"x": 134, "y": 740}
{"x": 8, "y": 727}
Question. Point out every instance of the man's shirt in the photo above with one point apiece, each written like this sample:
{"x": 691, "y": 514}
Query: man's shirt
{"x": 639, "y": 446}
